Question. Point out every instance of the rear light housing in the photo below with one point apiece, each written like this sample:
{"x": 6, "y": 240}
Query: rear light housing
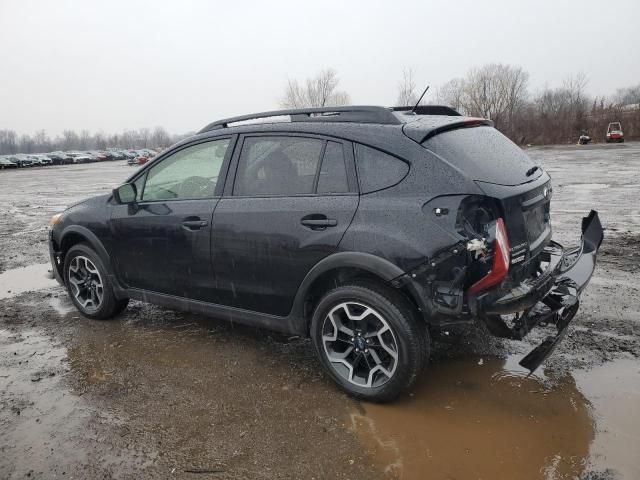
{"x": 501, "y": 261}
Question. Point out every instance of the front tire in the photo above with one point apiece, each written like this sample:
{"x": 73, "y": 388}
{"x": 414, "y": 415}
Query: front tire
{"x": 88, "y": 284}
{"x": 369, "y": 340}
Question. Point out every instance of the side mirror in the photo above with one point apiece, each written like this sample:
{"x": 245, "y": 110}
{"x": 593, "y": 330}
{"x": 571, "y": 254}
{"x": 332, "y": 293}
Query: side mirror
{"x": 125, "y": 194}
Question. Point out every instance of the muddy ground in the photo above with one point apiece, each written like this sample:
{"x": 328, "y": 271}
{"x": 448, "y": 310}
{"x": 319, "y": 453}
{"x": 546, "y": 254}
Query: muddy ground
{"x": 162, "y": 394}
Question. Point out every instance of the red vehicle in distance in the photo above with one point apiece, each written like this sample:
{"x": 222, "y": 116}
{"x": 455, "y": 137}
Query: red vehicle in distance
{"x": 614, "y": 133}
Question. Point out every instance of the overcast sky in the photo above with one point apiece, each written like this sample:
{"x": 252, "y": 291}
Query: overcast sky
{"x": 111, "y": 65}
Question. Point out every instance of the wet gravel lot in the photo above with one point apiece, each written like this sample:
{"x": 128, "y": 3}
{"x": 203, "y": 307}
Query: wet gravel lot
{"x": 162, "y": 394}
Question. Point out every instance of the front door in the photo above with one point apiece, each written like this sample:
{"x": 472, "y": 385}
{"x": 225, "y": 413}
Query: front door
{"x": 162, "y": 243}
{"x": 290, "y": 203}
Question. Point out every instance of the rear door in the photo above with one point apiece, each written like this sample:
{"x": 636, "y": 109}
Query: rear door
{"x": 287, "y": 205}
{"x": 162, "y": 243}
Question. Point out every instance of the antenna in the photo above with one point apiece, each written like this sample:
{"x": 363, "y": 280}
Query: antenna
{"x": 419, "y": 100}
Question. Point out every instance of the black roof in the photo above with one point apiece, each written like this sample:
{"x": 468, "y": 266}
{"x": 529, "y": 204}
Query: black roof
{"x": 380, "y": 127}
{"x": 351, "y": 114}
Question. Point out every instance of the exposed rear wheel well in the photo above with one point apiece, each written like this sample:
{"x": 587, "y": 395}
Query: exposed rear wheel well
{"x": 341, "y": 276}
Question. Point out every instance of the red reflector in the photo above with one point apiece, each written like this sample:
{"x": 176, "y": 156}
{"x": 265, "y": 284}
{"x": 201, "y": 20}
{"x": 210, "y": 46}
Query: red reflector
{"x": 501, "y": 261}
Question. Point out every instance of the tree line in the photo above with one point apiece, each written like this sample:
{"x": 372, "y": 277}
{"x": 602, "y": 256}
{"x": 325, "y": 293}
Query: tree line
{"x": 495, "y": 91}
{"x": 40, "y": 142}
{"x": 500, "y": 93}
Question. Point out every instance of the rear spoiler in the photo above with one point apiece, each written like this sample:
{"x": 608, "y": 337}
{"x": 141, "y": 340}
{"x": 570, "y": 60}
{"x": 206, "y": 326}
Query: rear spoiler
{"x": 426, "y": 127}
{"x": 428, "y": 110}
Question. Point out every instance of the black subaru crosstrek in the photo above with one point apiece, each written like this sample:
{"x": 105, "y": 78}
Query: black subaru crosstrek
{"x": 366, "y": 228}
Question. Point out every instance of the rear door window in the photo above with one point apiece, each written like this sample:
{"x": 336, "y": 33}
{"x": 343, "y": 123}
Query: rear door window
{"x": 278, "y": 166}
{"x": 378, "y": 170}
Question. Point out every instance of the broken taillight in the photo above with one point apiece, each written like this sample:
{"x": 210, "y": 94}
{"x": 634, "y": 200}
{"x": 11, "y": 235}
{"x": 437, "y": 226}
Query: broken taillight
{"x": 501, "y": 260}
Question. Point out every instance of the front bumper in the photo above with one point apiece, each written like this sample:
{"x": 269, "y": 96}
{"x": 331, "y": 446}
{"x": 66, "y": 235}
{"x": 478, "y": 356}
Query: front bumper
{"x": 54, "y": 259}
{"x": 551, "y": 298}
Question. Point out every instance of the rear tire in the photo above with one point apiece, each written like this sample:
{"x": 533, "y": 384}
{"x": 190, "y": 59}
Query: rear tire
{"x": 369, "y": 340}
{"x": 88, "y": 284}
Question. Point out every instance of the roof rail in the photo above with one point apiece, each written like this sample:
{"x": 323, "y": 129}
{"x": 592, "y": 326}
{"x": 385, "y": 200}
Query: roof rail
{"x": 353, "y": 114}
{"x": 429, "y": 110}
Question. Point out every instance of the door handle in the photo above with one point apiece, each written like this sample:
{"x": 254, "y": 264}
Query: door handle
{"x": 318, "y": 222}
{"x": 194, "y": 224}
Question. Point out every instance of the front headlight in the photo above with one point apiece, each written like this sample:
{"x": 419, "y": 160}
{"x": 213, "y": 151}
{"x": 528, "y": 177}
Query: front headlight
{"x": 55, "y": 219}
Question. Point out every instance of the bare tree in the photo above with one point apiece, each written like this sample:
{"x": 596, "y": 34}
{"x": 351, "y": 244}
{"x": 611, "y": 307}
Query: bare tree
{"x": 26, "y": 144}
{"x": 319, "y": 91}
{"x": 8, "y": 142}
{"x": 160, "y": 137}
{"x": 100, "y": 141}
{"x": 85, "y": 140}
{"x": 70, "y": 140}
{"x": 452, "y": 94}
{"x": 576, "y": 86}
{"x": 628, "y": 96}
{"x": 41, "y": 141}
{"x": 128, "y": 139}
{"x": 495, "y": 91}
{"x": 407, "y": 96}
{"x": 145, "y": 135}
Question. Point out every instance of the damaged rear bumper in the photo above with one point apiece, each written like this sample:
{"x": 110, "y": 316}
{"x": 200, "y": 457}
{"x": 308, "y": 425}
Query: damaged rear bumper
{"x": 551, "y": 298}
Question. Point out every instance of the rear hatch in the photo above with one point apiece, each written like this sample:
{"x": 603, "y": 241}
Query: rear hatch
{"x": 505, "y": 173}
{"x": 526, "y": 210}
{"x": 484, "y": 154}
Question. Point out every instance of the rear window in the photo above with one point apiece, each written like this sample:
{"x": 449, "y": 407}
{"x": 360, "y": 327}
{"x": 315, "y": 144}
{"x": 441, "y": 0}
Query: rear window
{"x": 484, "y": 154}
{"x": 378, "y": 170}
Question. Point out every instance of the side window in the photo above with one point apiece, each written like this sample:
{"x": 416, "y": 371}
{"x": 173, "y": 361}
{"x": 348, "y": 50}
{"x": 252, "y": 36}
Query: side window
{"x": 277, "y": 166}
{"x": 377, "y": 170}
{"x": 333, "y": 173}
{"x": 188, "y": 174}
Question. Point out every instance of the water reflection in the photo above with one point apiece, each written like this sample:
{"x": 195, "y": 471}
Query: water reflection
{"x": 480, "y": 418}
{"x": 25, "y": 279}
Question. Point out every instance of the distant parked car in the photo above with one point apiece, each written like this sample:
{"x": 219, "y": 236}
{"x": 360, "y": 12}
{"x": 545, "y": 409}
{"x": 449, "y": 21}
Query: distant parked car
{"x": 98, "y": 156}
{"x": 142, "y": 159}
{"x": 23, "y": 160}
{"x": 614, "y": 133}
{"x": 117, "y": 155}
{"x": 81, "y": 157}
{"x": 42, "y": 159}
{"x": 15, "y": 159}
{"x": 6, "y": 163}
{"x": 59, "y": 158}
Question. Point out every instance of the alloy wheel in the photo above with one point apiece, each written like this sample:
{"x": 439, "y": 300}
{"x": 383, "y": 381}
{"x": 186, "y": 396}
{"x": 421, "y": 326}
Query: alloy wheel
{"x": 360, "y": 345}
{"x": 86, "y": 283}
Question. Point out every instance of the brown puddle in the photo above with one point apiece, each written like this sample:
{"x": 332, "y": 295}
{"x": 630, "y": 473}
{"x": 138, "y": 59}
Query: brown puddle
{"x": 163, "y": 391}
{"x": 473, "y": 419}
{"x": 614, "y": 391}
